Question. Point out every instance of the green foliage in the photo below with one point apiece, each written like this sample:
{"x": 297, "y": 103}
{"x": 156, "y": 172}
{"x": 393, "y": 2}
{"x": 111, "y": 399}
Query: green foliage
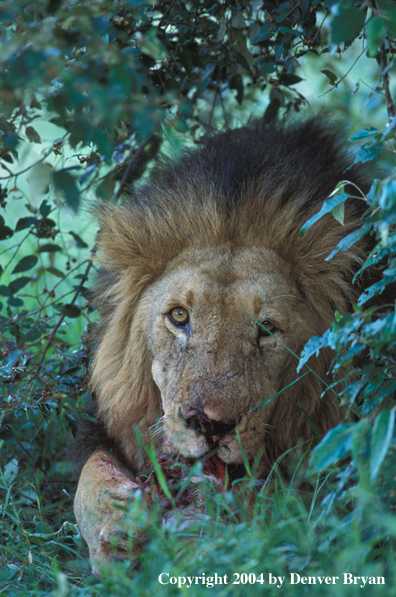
{"x": 90, "y": 92}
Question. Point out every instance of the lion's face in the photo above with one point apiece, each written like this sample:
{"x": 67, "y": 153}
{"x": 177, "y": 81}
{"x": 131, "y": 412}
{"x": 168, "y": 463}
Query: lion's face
{"x": 211, "y": 360}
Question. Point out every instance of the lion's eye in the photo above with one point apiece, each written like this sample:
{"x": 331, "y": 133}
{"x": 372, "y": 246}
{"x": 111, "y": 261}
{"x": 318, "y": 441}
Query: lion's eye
{"x": 178, "y": 315}
{"x": 270, "y": 328}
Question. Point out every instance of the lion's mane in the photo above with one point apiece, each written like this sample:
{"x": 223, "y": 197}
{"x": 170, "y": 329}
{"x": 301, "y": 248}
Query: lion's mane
{"x": 250, "y": 187}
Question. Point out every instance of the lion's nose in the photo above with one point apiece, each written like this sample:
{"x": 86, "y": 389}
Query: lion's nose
{"x": 196, "y": 419}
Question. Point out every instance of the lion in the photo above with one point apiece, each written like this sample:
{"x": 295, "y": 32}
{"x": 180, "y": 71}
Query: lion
{"x": 207, "y": 294}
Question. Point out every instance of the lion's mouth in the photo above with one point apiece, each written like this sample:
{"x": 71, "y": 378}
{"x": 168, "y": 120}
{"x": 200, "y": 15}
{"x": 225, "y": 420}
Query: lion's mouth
{"x": 212, "y": 464}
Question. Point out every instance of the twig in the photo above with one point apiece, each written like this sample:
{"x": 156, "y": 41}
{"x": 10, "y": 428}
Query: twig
{"x": 390, "y": 106}
{"x": 345, "y": 75}
{"x": 12, "y": 174}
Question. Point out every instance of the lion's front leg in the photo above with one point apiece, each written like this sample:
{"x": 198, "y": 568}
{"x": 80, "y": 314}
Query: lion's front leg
{"x": 105, "y": 484}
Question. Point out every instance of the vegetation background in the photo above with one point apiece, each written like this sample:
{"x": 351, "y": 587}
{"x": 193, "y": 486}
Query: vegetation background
{"x": 90, "y": 92}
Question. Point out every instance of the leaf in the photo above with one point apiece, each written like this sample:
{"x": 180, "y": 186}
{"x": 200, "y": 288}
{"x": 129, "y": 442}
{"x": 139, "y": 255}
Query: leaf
{"x": 335, "y": 445}
{"x": 44, "y": 528}
{"x": 339, "y": 212}
{"x": 152, "y": 46}
{"x": 366, "y": 132}
{"x": 266, "y": 32}
{"x": 32, "y": 135}
{"x": 367, "y": 153}
{"x": 65, "y": 182}
{"x": 284, "y": 29}
{"x": 15, "y": 302}
{"x": 238, "y": 22}
{"x": 24, "y": 223}
{"x": 272, "y": 110}
{"x": 18, "y": 284}
{"x": 105, "y": 189}
{"x": 360, "y": 450}
{"x": 290, "y": 79}
{"x": 327, "y": 207}
{"x": 49, "y": 248}
{"x": 25, "y": 264}
{"x": 314, "y": 345}
{"x": 380, "y": 440}
{"x": 79, "y": 241}
{"x": 5, "y": 231}
{"x": 55, "y": 272}
{"x": 330, "y": 75}
{"x": 375, "y": 289}
{"x": 45, "y": 208}
{"x": 352, "y": 238}
{"x": 347, "y": 24}
{"x": 375, "y": 30}
{"x": 70, "y": 310}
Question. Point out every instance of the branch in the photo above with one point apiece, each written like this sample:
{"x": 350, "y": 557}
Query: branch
{"x": 390, "y": 105}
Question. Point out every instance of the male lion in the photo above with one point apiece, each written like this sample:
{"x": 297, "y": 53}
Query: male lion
{"x": 192, "y": 264}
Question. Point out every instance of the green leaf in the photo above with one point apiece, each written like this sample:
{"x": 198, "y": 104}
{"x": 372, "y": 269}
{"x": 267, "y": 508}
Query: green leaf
{"x": 24, "y": 223}
{"x": 339, "y": 212}
{"x": 32, "y": 135}
{"x": 19, "y": 283}
{"x": 15, "y": 302}
{"x": 327, "y": 207}
{"x": 44, "y": 208}
{"x": 375, "y": 30}
{"x": 44, "y": 528}
{"x": 105, "y": 189}
{"x": 65, "y": 182}
{"x": 238, "y": 22}
{"x": 55, "y": 272}
{"x": 49, "y": 248}
{"x": 152, "y": 46}
{"x": 360, "y": 450}
{"x": 352, "y": 238}
{"x": 266, "y": 32}
{"x": 334, "y": 446}
{"x": 69, "y": 310}
{"x": 330, "y": 75}
{"x": 25, "y": 263}
{"x": 380, "y": 440}
{"x": 290, "y": 79}
{"x": 79, "y": 241}
{"x": 5, "y": 231}
{"x": 366, "y": 132}
{"x": 347, "y": 24}
{"x": 375, "y": 289}
{"x": 368, "y": 152}
{"x": 387, "y": 13}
